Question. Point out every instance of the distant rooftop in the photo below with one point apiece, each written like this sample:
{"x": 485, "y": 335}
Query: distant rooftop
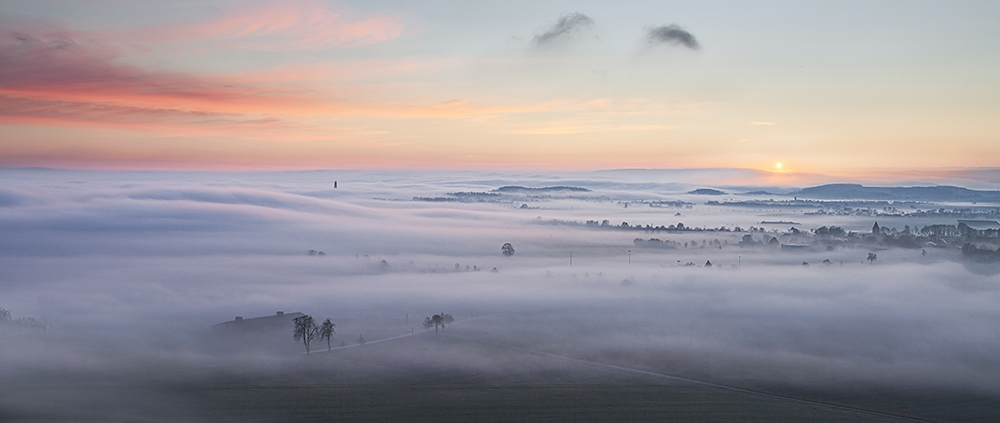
{"x": 277, "y": 320}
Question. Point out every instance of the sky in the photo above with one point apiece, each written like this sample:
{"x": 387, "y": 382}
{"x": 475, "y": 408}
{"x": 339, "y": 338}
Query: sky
{"x": 842, "y": 87}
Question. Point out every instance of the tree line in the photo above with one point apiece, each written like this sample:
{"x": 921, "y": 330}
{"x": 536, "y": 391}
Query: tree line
{"x": 20, "y": 323}
{"x": 306, "y": 329}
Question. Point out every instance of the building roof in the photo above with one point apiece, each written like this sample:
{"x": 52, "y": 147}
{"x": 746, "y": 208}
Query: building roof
{"x": 277, "y": 321}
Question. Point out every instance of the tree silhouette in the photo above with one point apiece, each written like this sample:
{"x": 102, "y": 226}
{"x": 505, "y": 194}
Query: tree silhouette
{"x": 872, "y": 257}
{"x": 507, "y": 249}
{"x": 326, "y": 332}
{"x": 21, "y": 323}
{"x": 305, "y": 330}
{"x": 438, "y": 320}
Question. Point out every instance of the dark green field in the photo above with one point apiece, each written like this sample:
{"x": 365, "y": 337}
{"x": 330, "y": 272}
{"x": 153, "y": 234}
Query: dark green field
{"x": 510, "y": 403}
{"x": 447, "y": 378}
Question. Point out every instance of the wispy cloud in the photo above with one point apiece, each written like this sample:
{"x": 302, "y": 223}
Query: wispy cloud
{"x": 278, "y": 25}
{"x": 54, "y": 80}
{"x": 57, "y": 68}
{"x": 673, "y": 35}
{"x": 580, "y": 129}
{"x": 164, "y": 121}
{"x": 451, "y": 103}
{"x": 51, "y": 79}
{"x": 564, "y": 28}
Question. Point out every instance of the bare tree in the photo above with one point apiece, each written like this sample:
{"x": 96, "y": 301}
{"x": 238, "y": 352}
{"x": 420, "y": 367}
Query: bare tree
{"x": 326, "y": 332}
{"x": 438, "y": 320}
{"x": 872, "y": 256}
{"x": 305, "y": 330}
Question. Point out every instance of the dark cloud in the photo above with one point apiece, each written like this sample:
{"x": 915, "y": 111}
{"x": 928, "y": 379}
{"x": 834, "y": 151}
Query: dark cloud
{"x": 672, "y": 34}
{"x": 566, "y": 26}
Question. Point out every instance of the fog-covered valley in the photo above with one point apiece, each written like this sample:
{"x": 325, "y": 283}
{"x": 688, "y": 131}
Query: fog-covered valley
{"x": 126, "y": 274}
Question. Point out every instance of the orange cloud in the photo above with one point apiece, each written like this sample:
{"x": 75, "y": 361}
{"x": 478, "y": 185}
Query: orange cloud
{"x": 451, "y": 103}
{"x": 566, "y": 130}
{"x": 167, "y": 122}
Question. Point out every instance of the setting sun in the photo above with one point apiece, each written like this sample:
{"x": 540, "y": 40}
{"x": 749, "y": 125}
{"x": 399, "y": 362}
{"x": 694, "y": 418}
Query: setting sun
{"x": 777, "y": 165}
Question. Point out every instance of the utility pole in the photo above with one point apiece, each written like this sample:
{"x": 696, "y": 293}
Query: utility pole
{"x": 570, "y": 259}
{"x": 629, "y": 256}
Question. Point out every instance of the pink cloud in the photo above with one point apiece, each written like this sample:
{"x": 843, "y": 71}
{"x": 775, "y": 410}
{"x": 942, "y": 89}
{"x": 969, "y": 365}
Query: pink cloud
{"x": 279, "y": 25}
{"x": 60, "y": 69}
{"x": 51, "y": 75}
{"x": 55, "y": 81}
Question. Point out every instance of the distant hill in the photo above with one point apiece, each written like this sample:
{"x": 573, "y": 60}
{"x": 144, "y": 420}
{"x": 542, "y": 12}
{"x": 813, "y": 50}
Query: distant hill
{"x": 706, "y": 191}
{"x": 513, "y": 188}
{"x": 929, "y": 193}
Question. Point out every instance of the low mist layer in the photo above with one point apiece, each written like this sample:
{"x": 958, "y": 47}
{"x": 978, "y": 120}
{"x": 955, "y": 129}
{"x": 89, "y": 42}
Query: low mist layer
{"x": 126, "y": 274}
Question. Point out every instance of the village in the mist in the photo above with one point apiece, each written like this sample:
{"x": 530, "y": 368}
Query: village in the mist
{"x": 121, "y": 292}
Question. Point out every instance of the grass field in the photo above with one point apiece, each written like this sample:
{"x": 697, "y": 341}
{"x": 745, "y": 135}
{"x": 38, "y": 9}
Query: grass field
{"x": 476, "y": 402}
{"x": 444, "y": 378}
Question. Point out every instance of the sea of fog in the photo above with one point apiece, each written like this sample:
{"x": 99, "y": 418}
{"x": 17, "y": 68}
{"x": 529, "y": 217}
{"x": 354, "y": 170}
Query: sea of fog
{"x": 128, "y": 271}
